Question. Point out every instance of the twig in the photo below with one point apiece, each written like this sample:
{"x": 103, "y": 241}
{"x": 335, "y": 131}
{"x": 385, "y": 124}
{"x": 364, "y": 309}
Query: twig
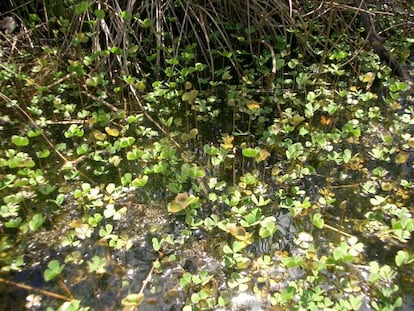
{"x": 149, "y": 275}
{"x": 337, "y": 230}
{"x": 37, "y": 290}
{"x": 100, "y": 100}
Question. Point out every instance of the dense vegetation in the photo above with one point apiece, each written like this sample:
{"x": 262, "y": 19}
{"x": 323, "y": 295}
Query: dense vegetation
{"x": 206, "y": 155}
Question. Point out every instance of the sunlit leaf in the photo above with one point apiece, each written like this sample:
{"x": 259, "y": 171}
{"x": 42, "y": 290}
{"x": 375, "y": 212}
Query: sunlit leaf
{"x": 112, "y": 131}
{"x": 368, "y": 78}
{"x": 237, "y": 246}
{"x": 377, "y": 200}
{"x": 253, "y": 105}
{"x": 403, "y": 258}
{"x": 20, "y": 140}
{"x": 140, "y": 181}
{"x": 227, "y": 142}
{"x": 250, "y": 152}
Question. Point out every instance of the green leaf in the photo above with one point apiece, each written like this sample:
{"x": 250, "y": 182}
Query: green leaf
{"x": 20, "y": 140}
{"x": 53, "y": 270}
{"x": 347, "y": 155}
{"x": 134, "y": 154}
{"x": 403, "y": 258}
{"x": 250, "y": 152}
{"x": 97, "y": 265}
{"x": 318, "y": 221}
{"x": 156, "y": 244}
{"x": 36, "y": 222}
{"x": 238, "y": 246}
{"x": 140, "y": 181}
{"x": 82, "y": 7}
{"x": 185, "y": 280}
{"x": 43, "y": 153}
{"x": 100, "y": 14}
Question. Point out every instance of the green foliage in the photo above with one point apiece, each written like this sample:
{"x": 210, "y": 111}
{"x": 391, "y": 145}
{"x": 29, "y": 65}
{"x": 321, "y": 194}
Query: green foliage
{"x": 253, "y": 139}
{"x": 54, "y": 268}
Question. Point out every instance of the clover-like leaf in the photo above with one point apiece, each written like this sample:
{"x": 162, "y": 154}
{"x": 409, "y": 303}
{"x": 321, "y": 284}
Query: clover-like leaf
{"x": 54, "y": 268}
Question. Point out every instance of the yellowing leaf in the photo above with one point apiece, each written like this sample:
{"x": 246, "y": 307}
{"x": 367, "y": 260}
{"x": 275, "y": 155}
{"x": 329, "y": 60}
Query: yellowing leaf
{"x": 402, "y": 157}
{"x": 99, "y": 135}
{"x": 238, "y": 232}
{"x": 253, "y": 105}
{"x": 353, "y": 88}
{"x": 188, "y": 85}
{"x": 189, "y": 96}
{"x": 133, "y": 299}
{"x": 368, "y": 78}
{"x": 112, "y": 131}
{"x": 181, "y": 202}
{"x": 325, "y": 120}
{"x": 227, "y": 142}
{"x": 262, "y": 155}
{"x": 188, "y": 136}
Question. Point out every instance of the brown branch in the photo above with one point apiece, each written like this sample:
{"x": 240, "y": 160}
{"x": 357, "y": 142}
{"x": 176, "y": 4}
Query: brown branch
{"x": 36, "y": 290}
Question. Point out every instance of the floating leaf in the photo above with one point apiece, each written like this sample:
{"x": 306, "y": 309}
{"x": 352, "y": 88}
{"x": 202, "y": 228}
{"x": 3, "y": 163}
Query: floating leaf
{"x": 111, "y": 212}
{"x": 235, "y": 230}
{"x": 377, "y": 200}
{"x": 325, "y": 120}
{"x": 402, "y": 258}
{"x": 387, "y": 186}
{"x": 43, "y": 153}
{"x": 97, "y": 265}
{"x": 238, "y": 246}
{"x": 402, "y": 157}
{"x": 267, "y": 227}
{"x": 133, "y": 299}
{"x": 112, "y": 131}
{"x": 54, "y": 268}
{"x": 188, "y": 85}
{"x": 238, "y": 232}
{"x": 134, "y": 154}
{"x": 20, "y": 140}
{"x": 36, "y": 222}
{"x": 99, "y": 135}
{"x": 181, "y": 202}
